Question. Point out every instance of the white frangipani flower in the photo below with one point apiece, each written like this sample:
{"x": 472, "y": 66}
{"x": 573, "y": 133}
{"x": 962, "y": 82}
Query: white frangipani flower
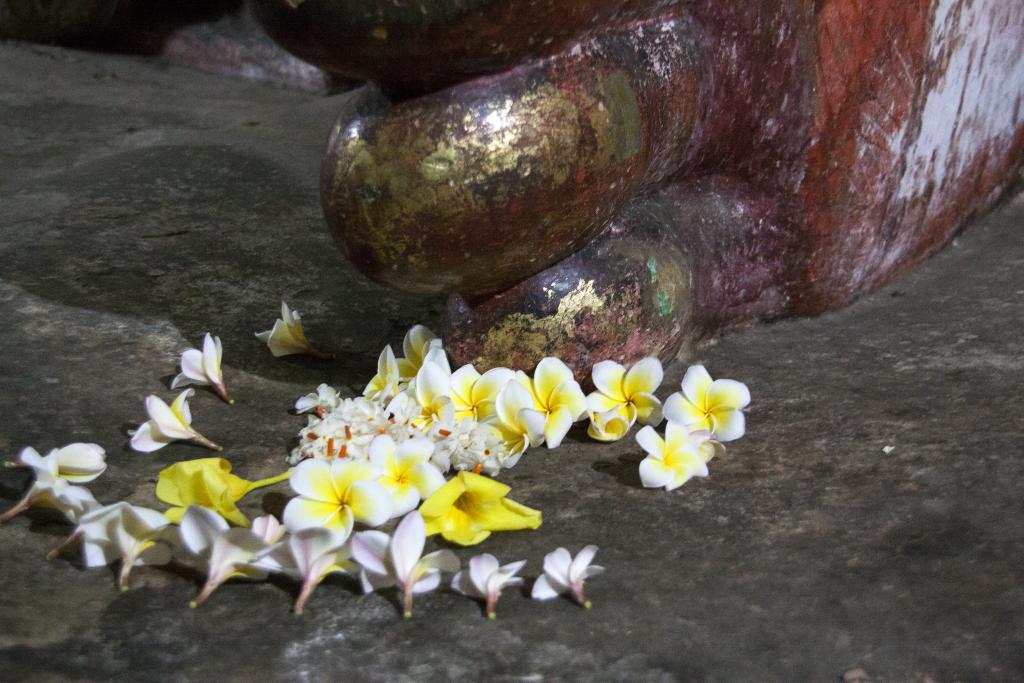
{"x": 309, "y": 556}
{"x": 335, "y": 495}
{"x": 521, "y": 425}
{"x": 79, "y": 463}
{"x": 54, "y": 473}
{"x": 705, "y": 404}
{"x": 286, "y": 338}
{"x": 203, "y": 367}
{"x": 672, "y": 461}
{"x": 133, "y": 535}
{"x": 221, "y": 552}
{"x": 485, "y": 580}
{"x": 323, "y": 401}
{"x": 399, "y": 560}
{"x": 557, "y": 396}
{"x": 386, "y": 384}
{"x": 431, "y": 389}
{"x": 418, "y": 343}
{"x": 623, "y": 397}
{"x": 406, "y": 471}
{"x": 347, "y": 430}
{"x": 474, "y": 395}
{"x": 167, "y": 424}
{"x": 563, "y": 574}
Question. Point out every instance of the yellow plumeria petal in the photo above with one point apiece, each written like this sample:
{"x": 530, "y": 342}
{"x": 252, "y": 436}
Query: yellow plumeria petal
{"x": 644, "y": 377}
{"x": 695, "y": 385}
{"x": 206, "y": 482}
{"x": 647, "y": 408}
{"x": 470, "y": 506}
{"x": 549, "y": 374}
{"x": 609, "y": 379}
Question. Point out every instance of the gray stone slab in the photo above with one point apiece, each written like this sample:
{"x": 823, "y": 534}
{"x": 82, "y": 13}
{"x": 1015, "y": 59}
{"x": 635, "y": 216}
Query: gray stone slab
{"x": 143, "y": 205}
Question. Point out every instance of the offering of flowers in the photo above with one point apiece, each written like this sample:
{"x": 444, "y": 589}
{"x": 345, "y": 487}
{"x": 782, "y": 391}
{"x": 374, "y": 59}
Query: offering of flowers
{"x": 422, "y": 444}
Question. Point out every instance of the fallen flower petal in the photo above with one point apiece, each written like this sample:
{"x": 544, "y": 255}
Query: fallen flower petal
{"x": 399, "y": 560}
{"x": 208, "y": 483}
{"x": 221, "y": 552}
{"x": 203, "y": 367}
{"x": 470, "y": 506}
{"x": 286, "y": 338}
{"x": 309, "y": 556}
{"x": 133, "y": 535}
{"x": 51, "y": 489}
{"x": 563, "y": 574}
{"x": 485, "y": 580}
{"x": 419, "y": 341}
{"x": 168, "y": 424}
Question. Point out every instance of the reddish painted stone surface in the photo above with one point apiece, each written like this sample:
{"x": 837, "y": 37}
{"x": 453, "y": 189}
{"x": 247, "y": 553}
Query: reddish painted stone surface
{"x": 863, "y": 134}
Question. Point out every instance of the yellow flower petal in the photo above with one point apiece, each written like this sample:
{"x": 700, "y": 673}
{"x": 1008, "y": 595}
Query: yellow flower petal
{"x": 206, "y": 482}
{"x": 470, "y": 506}
{"x": 644, "y": 377}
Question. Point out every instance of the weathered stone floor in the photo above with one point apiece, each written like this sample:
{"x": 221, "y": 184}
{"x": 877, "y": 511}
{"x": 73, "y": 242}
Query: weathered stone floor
{"x": 143, "y": 205}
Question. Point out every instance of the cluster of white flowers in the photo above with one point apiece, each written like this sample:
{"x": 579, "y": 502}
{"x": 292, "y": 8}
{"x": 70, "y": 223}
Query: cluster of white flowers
{"x": 480, "y": 422}
{"x": 383, "y": 456}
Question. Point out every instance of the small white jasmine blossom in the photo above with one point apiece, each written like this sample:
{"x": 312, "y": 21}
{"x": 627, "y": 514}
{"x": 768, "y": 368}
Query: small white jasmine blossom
{"x": 386, "y": 384}
{"x": 557, "y": 396}
{"x": 399, "y": 560}
{"x": 336, "y": 494}
{"x": 133, "y": 535}
{"x": 406, "y": 471}
{"x": 485, "y": 580}
{"x": 167, "y": 424}
{"x": 623, "y": 396}
{"x": 672, "y": 461}
{"x": 203, "y": 367}
{"x": 323, "y": 401}
{"x": 563, "y": 574}
{"x": 347, "y": 430}
{"x": 309, "y": 556}
{"x": 418, "y": 343}
{"x": 221, "y": 552}
{"x": 714, "y": 406}
{"x": 475, "y": 446}
{"x": 286, "y": 338}
{"x": 53, "y": 474}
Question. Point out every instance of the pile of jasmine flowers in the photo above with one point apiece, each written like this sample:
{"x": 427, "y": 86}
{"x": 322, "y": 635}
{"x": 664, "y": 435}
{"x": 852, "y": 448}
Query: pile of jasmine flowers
{"x": 422, "y": 444}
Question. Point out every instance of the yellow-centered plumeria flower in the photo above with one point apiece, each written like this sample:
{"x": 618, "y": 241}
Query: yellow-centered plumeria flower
{"x": 386, "y": 383}
{"x": 418, "y": 342}
{"x": 622, "y": 398}
{"x": 470, "y": 506}
{"x": 335, "y": 494}
{"x": 710, "y": 405}
{"x": 286, "y": 338}
{"x": 406, "y": 471}
{"x": 520, "y": 424}
{"x": 54, "y": 474}
{"x": 556, "y": 395}
{"x": 431, "y": 389}
{"x": 221, "y": 552}
{"x": 672, "y": 461}
{"x": 167, "y": 424}
{"x": 474, "y": 395}
{"x": 203, "y": 367}
{"x": 207, "y": 483}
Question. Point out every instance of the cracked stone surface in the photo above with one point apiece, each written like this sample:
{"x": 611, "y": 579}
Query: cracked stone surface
{"x": 142, "y": 205}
